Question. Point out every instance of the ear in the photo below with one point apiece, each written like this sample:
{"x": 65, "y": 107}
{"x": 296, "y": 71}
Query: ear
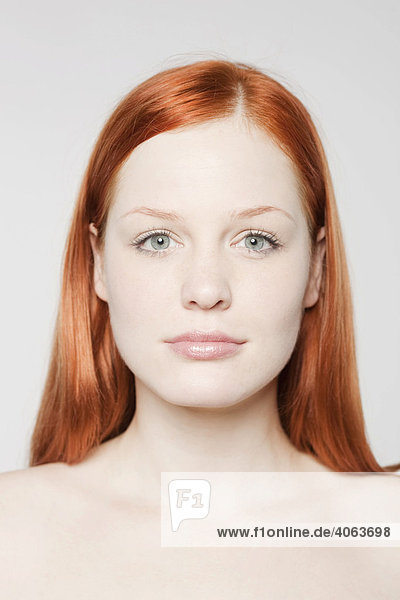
{"x": 314, "y": 282}
{"x": 98, "y": 271}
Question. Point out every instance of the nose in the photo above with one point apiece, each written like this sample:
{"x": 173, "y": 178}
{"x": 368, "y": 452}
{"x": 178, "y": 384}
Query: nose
{"x": 206, "y": 286}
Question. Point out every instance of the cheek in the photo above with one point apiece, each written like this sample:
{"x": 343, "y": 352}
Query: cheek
{"x": 132, "y": 300}
{"x": 141, "y": 303}
{"x": 271, "y": 304}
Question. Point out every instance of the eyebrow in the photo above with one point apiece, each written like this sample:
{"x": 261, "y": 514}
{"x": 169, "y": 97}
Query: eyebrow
{"x": 234, "y": 215}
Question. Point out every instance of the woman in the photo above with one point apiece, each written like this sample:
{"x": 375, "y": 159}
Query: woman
{"x": 205, "y": 324}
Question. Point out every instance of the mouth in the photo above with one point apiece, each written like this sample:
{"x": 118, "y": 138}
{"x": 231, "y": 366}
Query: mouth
{"x": 200, "y": 345}
{"x": 205, "y": 336}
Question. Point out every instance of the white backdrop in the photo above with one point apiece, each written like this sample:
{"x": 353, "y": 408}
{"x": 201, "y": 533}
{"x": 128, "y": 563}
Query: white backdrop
{"x": 65, "y": 65}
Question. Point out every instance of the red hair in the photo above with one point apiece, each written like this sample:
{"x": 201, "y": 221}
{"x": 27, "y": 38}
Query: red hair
{"x": 89, "y": 393}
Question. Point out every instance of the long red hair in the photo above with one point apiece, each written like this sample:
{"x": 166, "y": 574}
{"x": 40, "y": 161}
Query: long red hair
{"x": 89, "y": 393}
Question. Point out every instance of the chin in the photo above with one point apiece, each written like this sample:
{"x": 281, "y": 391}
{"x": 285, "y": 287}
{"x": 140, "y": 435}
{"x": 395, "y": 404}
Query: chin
{"x": 201, "y": 401}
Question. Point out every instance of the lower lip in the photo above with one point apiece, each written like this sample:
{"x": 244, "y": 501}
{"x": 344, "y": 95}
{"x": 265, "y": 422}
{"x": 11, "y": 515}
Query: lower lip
{"x": 205, "y": 350}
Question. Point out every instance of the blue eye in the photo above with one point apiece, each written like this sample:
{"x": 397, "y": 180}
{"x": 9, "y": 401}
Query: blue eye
{"x": 160, "y": 241}
{"x": 258, "y": 239}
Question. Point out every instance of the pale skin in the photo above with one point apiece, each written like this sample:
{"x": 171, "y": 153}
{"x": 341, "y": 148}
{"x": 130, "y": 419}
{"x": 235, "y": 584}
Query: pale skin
{"x": 94, "y": 526}
{"x": 222, "y": 414}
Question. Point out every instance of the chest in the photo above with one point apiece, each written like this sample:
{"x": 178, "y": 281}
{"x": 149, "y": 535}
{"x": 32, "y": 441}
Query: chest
{"x": 124, "y": 559}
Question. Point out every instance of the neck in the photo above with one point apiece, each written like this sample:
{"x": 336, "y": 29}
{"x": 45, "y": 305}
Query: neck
{"x": 244, "y": 437}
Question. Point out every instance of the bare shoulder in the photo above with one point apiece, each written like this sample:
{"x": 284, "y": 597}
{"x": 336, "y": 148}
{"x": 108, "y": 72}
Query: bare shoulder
{"x": 34, "y": 507}
{"x": 375, "y": 495}
{"x": 32, "y": 488}
{"x": 26, "y": 487}
{"x": 26, "y": 494}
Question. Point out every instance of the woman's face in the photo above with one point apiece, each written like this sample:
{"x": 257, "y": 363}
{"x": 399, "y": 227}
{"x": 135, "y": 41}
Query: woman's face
{"x": 207, "y": 268}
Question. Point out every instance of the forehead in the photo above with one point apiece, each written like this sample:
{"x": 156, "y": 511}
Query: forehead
{"x": 218, "y": 166}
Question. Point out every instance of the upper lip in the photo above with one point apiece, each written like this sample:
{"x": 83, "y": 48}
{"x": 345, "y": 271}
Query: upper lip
{"x": 205, "y": 336}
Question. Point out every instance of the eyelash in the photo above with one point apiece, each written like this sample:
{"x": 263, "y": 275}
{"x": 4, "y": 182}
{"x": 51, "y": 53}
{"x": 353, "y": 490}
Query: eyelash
{"x": 271, "y": 238}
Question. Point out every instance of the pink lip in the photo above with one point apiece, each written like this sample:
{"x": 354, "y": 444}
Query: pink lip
{"x": 205, "y": 336}
{"x": 202, "y": 345}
